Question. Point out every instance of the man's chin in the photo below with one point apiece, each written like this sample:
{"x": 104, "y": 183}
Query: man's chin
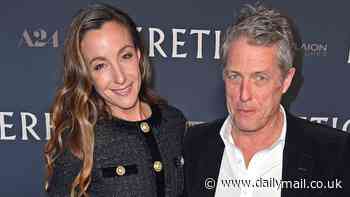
{"x": 249, "y": 127}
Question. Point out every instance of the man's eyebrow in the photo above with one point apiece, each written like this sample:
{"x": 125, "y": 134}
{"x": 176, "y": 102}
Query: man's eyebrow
{"x": 230, "y": 71}
{"x": 262, "y": 72}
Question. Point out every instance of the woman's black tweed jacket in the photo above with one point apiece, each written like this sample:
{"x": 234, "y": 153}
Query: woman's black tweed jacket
{"x": 124, "y": 146}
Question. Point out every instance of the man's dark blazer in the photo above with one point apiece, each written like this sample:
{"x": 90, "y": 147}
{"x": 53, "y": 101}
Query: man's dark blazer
{"x": 312, "y": 151}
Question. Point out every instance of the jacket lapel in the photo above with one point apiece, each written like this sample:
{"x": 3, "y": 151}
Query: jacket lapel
{"x": 298, "y": 161}
{"x": 210, "y": 167}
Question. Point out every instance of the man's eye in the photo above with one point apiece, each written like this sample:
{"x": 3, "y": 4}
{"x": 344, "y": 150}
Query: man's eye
{"x": 99, "y": 66}
{"x": 232, "y": 76}
{"x": 260, "y": 78}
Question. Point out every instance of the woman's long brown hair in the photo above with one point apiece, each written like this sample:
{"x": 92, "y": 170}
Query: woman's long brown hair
{"x": 77, "y": 106}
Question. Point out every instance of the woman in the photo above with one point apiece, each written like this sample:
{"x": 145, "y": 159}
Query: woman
{"x": 112, "y": 135}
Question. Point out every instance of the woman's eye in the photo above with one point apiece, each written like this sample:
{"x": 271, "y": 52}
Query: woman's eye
{"x": 98, "y": 66}
{"x": 127, "y": 55}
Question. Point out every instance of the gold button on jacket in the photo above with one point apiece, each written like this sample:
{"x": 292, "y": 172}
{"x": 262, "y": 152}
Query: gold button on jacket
{"x": 120, "y": 170}
{"x": 158, "y": 166}
{"x": 145, "y": 127}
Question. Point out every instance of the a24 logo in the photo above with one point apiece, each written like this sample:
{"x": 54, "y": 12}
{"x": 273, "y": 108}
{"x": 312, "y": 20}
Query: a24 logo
{"x": 39, "y": 38}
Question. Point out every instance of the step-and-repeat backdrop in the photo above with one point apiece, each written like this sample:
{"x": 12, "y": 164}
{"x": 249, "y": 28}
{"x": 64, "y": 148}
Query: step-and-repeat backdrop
{"x": 183, "y": 39}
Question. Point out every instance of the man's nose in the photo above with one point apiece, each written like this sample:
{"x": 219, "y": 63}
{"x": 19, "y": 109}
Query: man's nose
{"x": 245, "y": 91}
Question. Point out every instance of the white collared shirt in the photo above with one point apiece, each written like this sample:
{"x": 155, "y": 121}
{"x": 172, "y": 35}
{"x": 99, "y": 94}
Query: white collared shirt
{"x": 264, "y": 169}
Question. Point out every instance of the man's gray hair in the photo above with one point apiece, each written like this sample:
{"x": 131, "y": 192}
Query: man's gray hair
{"x": 263, "y": 27}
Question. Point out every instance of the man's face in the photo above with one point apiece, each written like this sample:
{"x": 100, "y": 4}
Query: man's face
{"x": 254, "y": 85}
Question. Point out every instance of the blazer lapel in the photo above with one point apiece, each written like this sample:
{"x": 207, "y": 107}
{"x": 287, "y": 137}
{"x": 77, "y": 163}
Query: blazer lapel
{"x": 211, "y": 162}
{"x": 298, "y": 162}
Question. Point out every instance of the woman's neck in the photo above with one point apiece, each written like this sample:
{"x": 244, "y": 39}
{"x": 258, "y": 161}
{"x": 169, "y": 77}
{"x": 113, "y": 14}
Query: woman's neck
{"x": 140, "y": 111}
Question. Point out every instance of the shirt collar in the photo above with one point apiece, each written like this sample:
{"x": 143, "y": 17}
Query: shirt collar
{"x": 225, "y": 131}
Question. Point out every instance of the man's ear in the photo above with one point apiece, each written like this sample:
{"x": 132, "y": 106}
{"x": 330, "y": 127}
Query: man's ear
{"x": 288, "y": 79}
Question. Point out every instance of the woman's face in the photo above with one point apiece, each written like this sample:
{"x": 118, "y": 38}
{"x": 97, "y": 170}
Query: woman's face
{"x": 113, "y": 62}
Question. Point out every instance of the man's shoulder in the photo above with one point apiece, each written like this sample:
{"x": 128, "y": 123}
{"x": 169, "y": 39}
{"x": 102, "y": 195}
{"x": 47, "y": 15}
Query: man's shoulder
{"x": 201, "y": 137}
{"x": 205, "y": 130}
{"x": 318, "y": 132}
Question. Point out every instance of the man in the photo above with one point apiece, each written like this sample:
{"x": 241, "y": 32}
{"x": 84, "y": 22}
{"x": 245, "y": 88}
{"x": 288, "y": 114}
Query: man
{"x": 259, "y": 144}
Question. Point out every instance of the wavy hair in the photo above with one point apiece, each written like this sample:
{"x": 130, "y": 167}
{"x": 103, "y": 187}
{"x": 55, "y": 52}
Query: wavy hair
{"x": 77, "y": 106}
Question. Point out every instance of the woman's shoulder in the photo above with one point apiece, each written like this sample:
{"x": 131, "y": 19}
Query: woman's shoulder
{"x": 66, "y": 163}
{"x": 65, "y": 168}
{"x": 66, "y": 158}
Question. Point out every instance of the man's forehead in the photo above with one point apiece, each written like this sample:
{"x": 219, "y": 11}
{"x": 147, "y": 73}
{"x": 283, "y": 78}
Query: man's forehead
{"x": 253, "y": 63}
{"x": 240, "y": 43}
{"x": 250, "y": 71}
{"x": 242, "y": 55}
{"x": 252, "y": 68}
